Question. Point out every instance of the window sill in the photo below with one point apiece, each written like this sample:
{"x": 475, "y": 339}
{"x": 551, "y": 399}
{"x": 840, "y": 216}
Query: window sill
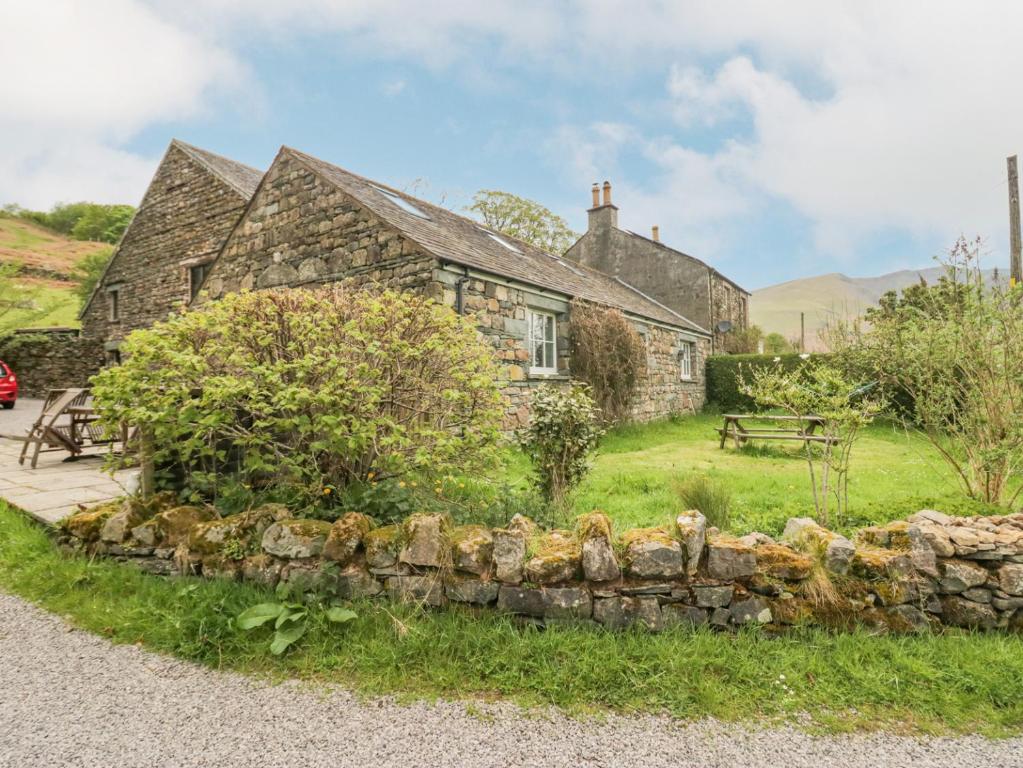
{"x": 549, "y": 376}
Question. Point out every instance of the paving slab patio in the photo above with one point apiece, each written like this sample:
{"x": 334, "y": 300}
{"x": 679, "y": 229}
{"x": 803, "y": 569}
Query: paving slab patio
{"x": 56, "y": 488}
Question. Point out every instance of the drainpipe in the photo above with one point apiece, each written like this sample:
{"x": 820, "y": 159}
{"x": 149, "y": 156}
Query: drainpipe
{"x": 460, "y": 292}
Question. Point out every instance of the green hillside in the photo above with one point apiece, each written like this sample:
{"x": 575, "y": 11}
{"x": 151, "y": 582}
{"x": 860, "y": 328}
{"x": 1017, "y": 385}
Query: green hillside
{"x": 43, "y": 289}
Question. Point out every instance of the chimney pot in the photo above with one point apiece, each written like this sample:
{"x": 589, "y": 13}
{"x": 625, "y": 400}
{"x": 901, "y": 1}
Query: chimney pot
{"x": 596, "y": 195}
{"x": 656, "y": 233}
{"x": 607, "y": 193}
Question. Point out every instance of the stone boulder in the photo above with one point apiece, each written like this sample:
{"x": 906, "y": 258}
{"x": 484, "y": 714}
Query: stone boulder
{"x": 959, "y": 575}
{"x": 807, "y": 536}
{"x": 877, "y": 564}
{"x": 345, "y": 537}
{"x": 651, "y": 553}
{"x": 509, "y": 555}
{"x": 960, "y": 612}
{"x": 682, "y": 614}
{"x": 598, "y": 556}
{"x": 296, "y": 539}
{"x": 472, "y": 591}
{"x": 472, "y": 548}
{"x": 426, "y": 542}
{"x": 171, "y": 527}
{"x": 88, "y": 524}
{"x": 751, "y": 610}
{"x": 622, "y": 612}
{"x": 355, "y": 583}
{"x": 780, "y": 562}
{"x": 245, "y": 528}
{"x": 1010, "y": 578}
{"x": 118, "y": 526}
{"x": 708, "y": 596}
{"x": 557, "y": 559}
{"x": 729, "y": 559}
{"x": 425, "y": 590}
{"x": 261, "y": 569}
{"x": 382, "y": 546}
{"x": 692, "y": 532}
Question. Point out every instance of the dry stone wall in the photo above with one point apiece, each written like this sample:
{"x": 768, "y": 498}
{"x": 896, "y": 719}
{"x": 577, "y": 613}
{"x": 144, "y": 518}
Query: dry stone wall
{"x": 926, "y": 572}
{"x": 47, "y": 360}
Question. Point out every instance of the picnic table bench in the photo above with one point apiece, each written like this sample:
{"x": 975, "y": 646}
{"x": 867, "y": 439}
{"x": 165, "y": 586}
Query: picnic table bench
{"x": 800, "y": 428}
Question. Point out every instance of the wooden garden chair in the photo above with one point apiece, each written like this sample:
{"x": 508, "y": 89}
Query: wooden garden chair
{"x": 46, "y": 432}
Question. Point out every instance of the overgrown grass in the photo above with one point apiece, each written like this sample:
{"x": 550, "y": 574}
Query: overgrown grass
{"x": 638, "y": 468}
{"x": 957, "y": 683}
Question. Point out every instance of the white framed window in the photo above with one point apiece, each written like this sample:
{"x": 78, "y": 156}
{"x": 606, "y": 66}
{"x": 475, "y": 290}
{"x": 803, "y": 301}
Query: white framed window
{"x": 685, "y": 361}
{"x": 543, "y": 342}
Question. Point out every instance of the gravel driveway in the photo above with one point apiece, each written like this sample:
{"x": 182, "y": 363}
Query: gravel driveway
{"x": 68, "y": 698}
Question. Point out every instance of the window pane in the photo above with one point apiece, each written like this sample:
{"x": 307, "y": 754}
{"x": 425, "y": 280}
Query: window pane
{"x": 549, "y": 355}
{"x": 549, "y": 330}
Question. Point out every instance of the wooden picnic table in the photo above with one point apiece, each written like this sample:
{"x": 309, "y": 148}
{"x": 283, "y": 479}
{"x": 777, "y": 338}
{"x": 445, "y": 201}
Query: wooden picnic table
{"x": 800, "y": 428}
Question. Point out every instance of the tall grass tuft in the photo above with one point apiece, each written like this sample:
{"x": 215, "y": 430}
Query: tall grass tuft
{"x": 713, "y": 498}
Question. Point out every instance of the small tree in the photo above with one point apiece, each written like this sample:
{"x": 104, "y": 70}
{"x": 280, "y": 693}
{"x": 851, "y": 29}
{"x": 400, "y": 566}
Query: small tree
{"x": 562, "y": 435}
{"x": 954, "y": 349}
{"x": 609, "y": 355}
{"x": 305, "y": 392}
{"x": 523, "y": 219}
{"x": 816, "y": 389}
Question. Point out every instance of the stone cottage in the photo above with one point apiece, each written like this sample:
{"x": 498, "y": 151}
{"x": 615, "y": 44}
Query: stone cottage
{"x": 209, "y": 223}
{"x": 193, "y": 201}
{"x": 675, "y": 279}
{"x": 310, "y": 222}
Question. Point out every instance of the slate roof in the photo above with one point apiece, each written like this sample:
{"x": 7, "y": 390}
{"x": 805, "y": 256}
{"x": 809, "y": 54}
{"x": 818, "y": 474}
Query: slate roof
{"x": 240, "y": 177}
{"x": 460, "y": 240}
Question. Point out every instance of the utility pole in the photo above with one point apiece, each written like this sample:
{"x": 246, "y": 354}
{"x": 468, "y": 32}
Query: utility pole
{"x": 802, "y": 331}
{"x": 1015, "y": 265}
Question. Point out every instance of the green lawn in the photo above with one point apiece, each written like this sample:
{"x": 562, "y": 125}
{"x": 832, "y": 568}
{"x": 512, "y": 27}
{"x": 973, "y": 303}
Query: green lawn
{"x": 45, "y": 305}
{"x": 957, "y": 682}
{"x": 893, "y": 475}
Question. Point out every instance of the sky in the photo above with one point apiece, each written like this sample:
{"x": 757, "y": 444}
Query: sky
{"x": 774, "y": 140}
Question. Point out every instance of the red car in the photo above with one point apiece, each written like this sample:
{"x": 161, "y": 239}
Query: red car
{"x": 8, "y": 386}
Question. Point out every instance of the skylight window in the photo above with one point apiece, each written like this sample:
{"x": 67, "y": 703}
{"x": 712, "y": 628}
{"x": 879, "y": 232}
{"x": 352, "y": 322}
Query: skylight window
{"x": 402, "y": 203}
{"x": 503, "y": 242}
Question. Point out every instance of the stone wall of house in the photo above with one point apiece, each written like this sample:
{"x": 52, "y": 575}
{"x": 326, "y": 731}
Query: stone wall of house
{"x": 728, "y": 302}
{"x": 44, "y": 360}
{"x": 922, "y": 573}
{"x": 301, "y": 230}
{"x": 663, "y": 392}
{"x": 183, "y": 220}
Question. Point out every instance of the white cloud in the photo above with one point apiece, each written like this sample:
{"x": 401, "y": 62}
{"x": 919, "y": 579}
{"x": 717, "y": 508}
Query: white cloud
{"x": 393, "y": 87}
{"x": 83, "y": 78}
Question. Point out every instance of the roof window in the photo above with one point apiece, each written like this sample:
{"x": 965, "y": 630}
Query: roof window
{"x": 503, "y": 242}
{"x": 402, "y": 203}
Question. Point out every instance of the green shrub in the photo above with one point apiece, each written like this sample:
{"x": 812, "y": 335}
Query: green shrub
{"x": 711, "y": 497}
{"x": 306, "y": 392}
{"x": 724, "y": 373}
{"x": 562, "y": 435}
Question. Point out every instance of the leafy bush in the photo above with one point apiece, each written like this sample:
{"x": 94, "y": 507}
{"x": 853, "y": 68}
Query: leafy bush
{"x": 609, "y": 355}
{"x": 712, "y": 498}
{"x": 724, "y": 373}
{"x": 81, "y": 221}
{"x": 562, "y": 435}
{"x": 307, "y": 392}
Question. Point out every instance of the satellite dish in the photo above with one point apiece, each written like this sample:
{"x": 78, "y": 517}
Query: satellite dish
{"x": 724, "y": 326}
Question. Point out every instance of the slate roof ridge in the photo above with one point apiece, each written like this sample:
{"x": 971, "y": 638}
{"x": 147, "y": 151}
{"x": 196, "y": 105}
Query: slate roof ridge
{"x": 242, "y": 178}
{"x": 456, "y": 238}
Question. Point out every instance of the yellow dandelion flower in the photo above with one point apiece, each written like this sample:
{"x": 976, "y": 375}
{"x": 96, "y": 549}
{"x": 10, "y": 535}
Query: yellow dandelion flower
{"x": 401, "y": 484}
{"x": 371, "y": 475}
{"x": 326, "y": 491}
{"x": 413, "y": 483}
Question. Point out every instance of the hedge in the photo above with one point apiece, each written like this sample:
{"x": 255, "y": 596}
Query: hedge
{"x": 723, "y": 373}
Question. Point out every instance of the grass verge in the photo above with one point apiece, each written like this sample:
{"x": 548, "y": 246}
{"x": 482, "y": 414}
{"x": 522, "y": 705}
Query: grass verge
{"x": 952, "y": 683}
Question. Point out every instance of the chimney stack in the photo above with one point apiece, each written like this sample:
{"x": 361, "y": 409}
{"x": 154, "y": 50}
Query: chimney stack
{"x": 656, "y": 232}
{"x": 603, "y": 216}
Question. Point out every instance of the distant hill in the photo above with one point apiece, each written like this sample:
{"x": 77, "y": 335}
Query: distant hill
{"x": 826, "y": 297}
{"x": 47, "y": 260}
